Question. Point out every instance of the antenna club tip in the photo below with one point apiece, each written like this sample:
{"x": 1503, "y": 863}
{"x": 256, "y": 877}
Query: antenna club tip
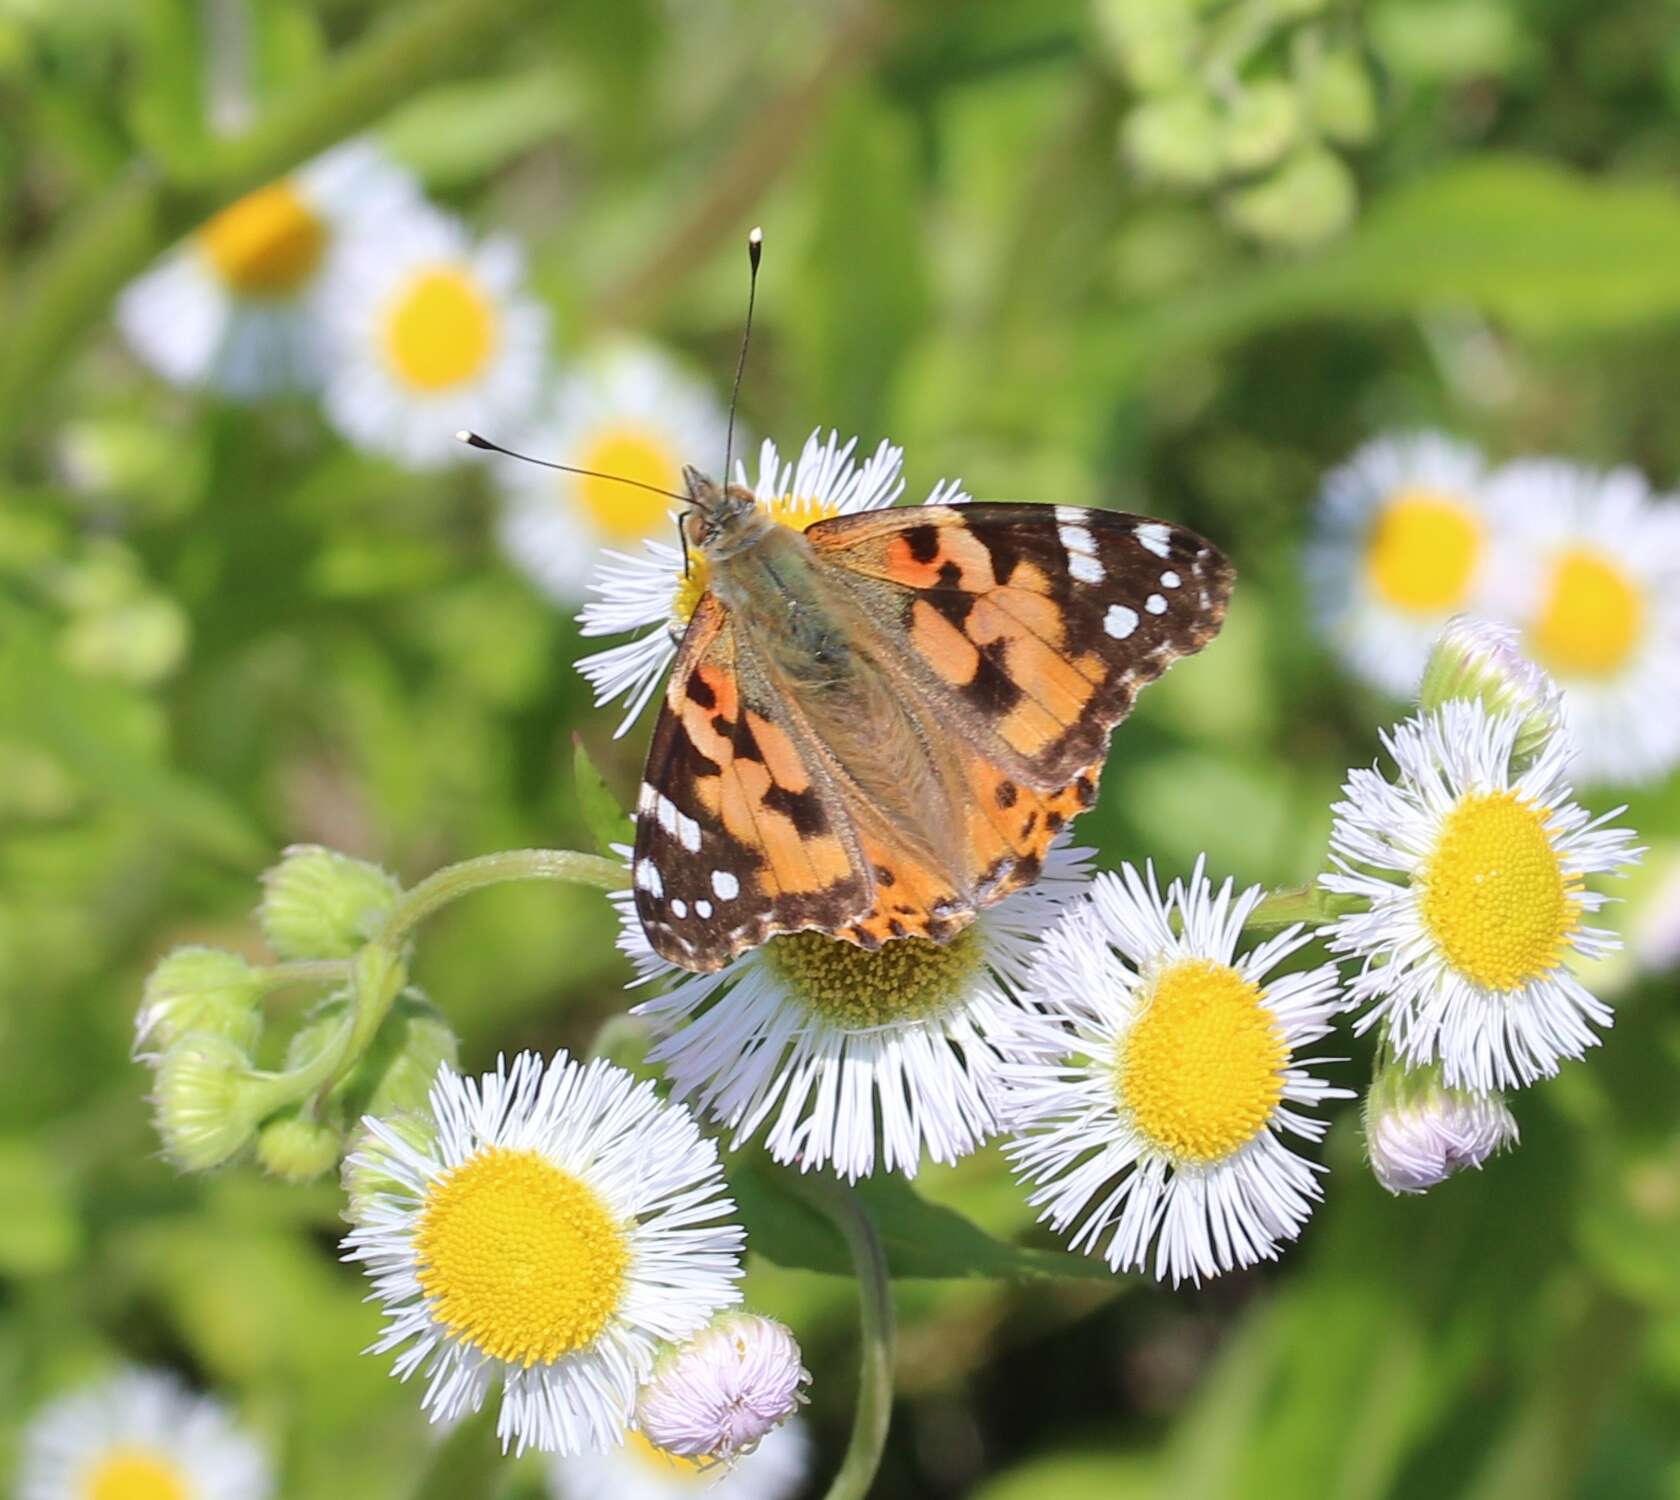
{"x": 471, "y": 439}
{"x": 755, "y": 235}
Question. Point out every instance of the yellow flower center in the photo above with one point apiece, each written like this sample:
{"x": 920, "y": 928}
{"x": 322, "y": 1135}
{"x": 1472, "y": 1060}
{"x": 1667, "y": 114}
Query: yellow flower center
{"x": 908, "y": 979}
{"x": 1202, "y": 1068}
{"x": 795, "y": 511}
{"x": 520, "y": 1259}
{"x": 134, "y": 1474}
{"x": 1422, "y": 551}
{"x": 670, "y": 1465}
{"x": 441, "y": 330}
{"x": 268, "y": 244}
{"x": 620, "y": 512}
{"x": 1494, "y": 895}
{"x": 1593, "y": 617}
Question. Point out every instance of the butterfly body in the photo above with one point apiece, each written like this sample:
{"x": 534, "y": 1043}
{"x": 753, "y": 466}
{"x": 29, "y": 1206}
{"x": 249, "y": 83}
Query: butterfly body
{"x": 875, "y": 726}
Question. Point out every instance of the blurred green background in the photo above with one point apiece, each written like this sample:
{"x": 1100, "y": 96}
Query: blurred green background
{"x": 1033, "y": 246}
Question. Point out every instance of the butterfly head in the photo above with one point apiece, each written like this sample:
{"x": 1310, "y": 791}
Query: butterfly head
{"x": 721, "y": 520}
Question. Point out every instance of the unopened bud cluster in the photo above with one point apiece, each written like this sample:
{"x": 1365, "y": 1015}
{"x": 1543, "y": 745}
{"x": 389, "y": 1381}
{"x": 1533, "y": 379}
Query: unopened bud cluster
{"x": 1258, "y": 111}
{"x": 202, "y": 1027}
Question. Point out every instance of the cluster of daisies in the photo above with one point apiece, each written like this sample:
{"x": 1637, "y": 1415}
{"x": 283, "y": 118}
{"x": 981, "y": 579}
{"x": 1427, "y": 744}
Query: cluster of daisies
{"x": 342, "y": 281}
{"x": 1584, "y": 565}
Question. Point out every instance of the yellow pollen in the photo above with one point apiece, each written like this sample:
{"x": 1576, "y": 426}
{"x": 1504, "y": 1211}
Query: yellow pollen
{"x": 1593, "y": 617}
{"x": 1494, "y": 895}
{"x": 622, "y": 513}
{"x": 441, "y": 331}
{"x": 672, "y": 1465}
{"x": 134, "y": 1474}
{"x": 1422, "y": 551}
{"x": 907, "y": 979}
{"x": 1202, "y": 1069}
{"x": 796, "y": 511}
{"x": 268, "y": 244}
{"x": 521, "y": 1260}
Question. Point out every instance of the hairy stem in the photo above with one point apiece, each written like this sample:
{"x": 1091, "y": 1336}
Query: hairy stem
{"x": 453, "y": 881}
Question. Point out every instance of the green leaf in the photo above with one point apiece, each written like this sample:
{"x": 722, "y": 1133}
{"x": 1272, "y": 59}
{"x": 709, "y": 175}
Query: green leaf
{"x": 39, "y": 1231}
{"x": 459, "y": 133}
{"x": 607, "y": 822}
{"x": 921, "y": 1239}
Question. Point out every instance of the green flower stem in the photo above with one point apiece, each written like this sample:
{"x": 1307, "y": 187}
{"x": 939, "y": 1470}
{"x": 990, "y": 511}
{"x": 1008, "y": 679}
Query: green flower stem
{"x": 873, "y": 1415}
{"x": 305, "y": 971}
{"x": 467, "y": 1462}
{"x": 452, "y": 881}
{"x": 1305, "y": 903}
{"x": 72, "y": 279}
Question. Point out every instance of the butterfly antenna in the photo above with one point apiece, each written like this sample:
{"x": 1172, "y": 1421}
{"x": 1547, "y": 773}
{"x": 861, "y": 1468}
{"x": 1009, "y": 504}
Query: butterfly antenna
{"x": 474, "y": 440}
{"x": 755, "y": 252}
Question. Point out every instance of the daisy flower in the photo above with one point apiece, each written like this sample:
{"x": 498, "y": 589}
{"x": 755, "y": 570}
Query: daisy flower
{"x": 1404, "y": 542}
{"x": 547, "y": 1229}
{"x": 775, "y": 1470}
{"x": 435, "y": 334}
{"x": 1469, "y": 878}
{"x": 648, "y": 591}
{"x": 849, "y": 1057}
{"x": 629, "y": 412}
{"x": 140, "y": 1433}
{"x": 242, "y": 305}
{"x": 1154, "y": 1089}
{"x": 1592, "y": 577}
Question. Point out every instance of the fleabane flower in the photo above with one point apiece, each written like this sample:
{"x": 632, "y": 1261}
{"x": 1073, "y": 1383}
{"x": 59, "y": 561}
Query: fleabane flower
{"x": 547, "y": 1228}
{"x": 1156, "y": 1084}
{"x": 629, "y": 411}
{"x": 846, "y": 1057}
{"x": 1470, "y": 883}
{"x": 1418, "y": 1132}
{"x": 140, "y": 1435}
{"x": 1591, "y": 576}
{"x": 719, "y": 1395}
{"x": 1483, "y": 660}
{"x": 648, "y": 590}
{"x": 435, "y": 334}
{"x": 243, "y": 304}
{"x": 775, "y": 1470}
{"x": 1404, "y": 541}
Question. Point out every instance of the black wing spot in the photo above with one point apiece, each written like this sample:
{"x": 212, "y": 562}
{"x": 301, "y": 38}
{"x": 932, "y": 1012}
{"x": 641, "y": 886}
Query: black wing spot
{"x": 700, "y": 691}
{"x": 1007, "y": 792}
{"x": 923, "y": 542}
{"x": 1086, "y": 789}
{"x": 992, "y": 689}
{"x": 803, "y": 809}
{"x": 884, "y": 876}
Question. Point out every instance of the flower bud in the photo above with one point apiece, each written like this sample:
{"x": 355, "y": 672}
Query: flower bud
{"x": 1153, "y": 45}
{"x": 365, "y": 1174}
{"x": 204, "y": 1101}
{"x": 1343, "y": 102}
{"x": 318, "y": 903}
{"x": 717, "y": 1395}
{"x": 1480, "y": 659}
{"x": 200, "y": 989}
{"x": 1262, "y": 125}
{"x": 1308, "y": 199}
{"x": 1418, "y": 1132}
{"x": 1175, "y": 139}
{"x": 298, "y": 1150}
{"x": 400, "y": 1067}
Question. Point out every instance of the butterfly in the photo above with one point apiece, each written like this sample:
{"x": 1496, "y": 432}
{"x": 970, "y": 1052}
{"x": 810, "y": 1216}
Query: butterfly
{"x": 876, "y": 726}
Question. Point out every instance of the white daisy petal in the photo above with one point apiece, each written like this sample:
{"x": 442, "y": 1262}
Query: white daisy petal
{"x": 615, "y": 1198}
{"x": 775, "y": 1470}
{"x": 1404, "y": 542}
{"x": 244, "y": 304}
{"x": 863, "y": 1061}
{"x": 140, "y": 1432}
{"x": 1470, "y": 879}
{"x": 434, "y": 335}
{"x": 1151, "y": 1091}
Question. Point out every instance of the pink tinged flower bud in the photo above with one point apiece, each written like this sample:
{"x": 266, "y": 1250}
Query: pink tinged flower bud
{"x": 1417, "y": 1142}
{"x": 716, "y": 1396}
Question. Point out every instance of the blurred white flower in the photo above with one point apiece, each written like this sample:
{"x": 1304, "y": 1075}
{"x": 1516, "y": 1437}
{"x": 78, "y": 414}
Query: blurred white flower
{"x": 433, "y": 334}
{"x": 1470, "y": 880}
{"x": 243, "y": 304}
{"x": 139, "y": 1434}
{"x": 1159, "y": 1075}
{"x": 775, "y": 1470}
{"x": 629, "y": 411}
{"x": 547, "y": 1229}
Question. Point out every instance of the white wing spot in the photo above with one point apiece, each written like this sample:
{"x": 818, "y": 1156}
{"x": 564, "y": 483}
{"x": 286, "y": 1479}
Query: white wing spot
{"x": 1156, "y": 537}
{"x": 646, "y": 798}
{"x": 1085, "y": 569}
{"x": 1069, "y": 515}
{"x": 1170, "y": 580}
{"x": 1155, "y": 604}
{"x": 647, "y": 879}
{"x": 725, "y": 886}
{"x": 679, "y": 907}
{"x": 1077, "y": 539}
{"x": 1120, "y": 622}
{"x": 703, "y": 909}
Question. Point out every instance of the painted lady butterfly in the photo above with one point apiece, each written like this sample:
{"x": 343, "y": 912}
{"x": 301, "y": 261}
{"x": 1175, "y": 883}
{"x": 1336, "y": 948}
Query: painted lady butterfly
{"x": 877, "y": 725}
